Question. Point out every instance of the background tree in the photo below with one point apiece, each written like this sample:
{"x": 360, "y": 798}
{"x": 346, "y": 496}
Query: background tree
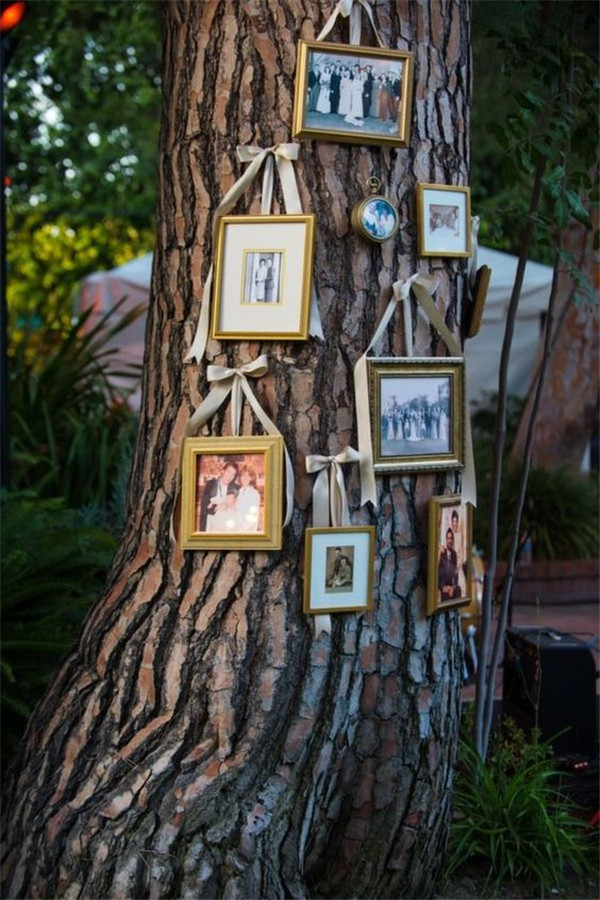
{"x": 199, "y": 740}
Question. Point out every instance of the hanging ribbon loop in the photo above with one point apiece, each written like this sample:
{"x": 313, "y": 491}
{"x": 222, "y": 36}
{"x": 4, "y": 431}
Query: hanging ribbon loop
{"x": 423, "y": 287}
{"x": 234, "y": 382}
{"x": 329, "y": 493}
{"x": 351, "y": 9}
{"x": 284, "y": 156}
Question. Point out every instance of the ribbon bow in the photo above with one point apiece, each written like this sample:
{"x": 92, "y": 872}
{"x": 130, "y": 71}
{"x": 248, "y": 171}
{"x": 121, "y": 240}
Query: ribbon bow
{"x": 329, "y": 493}
{"x": 352, "y": 9}
{"x": 235, "y": 382}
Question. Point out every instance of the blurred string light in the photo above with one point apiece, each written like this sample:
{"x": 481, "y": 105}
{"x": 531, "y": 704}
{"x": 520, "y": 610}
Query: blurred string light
{"x": 12, "y": 13}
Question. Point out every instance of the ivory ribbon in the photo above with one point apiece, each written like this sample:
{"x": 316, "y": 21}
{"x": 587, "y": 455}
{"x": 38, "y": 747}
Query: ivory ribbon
{"x": 329, "y": 499}
{"x": 329, "y": 493}
{"x": 284, "y": 156}
{"x": 474, "y": 246}
{"x": 423, "y": 287}
{"x": 400, "y": 292}
{"x": 234, "y": 381}
{"x": 352, "y": 9}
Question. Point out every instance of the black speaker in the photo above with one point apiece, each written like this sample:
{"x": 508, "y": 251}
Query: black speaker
{"x": 550, "y": 683}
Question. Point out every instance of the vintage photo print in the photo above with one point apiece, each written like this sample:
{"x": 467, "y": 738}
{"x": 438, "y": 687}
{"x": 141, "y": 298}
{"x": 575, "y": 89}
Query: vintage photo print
{"x": 339, "y": 569}
{"x": 444, "y": 220}
{"x": 379, "y": 219}
{"x": 449, "y": 582}
{"x": 263, "y": 276}
{"x": 230, "y": 493}
{"x": 415, "y": 415}
{"x": 354, "y": 94}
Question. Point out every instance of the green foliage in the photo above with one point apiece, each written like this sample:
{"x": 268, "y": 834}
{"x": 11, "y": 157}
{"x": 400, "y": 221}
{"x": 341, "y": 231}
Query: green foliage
{"x": 52, "y": 567}
{"x": 46, "y": 261}
{"x": 71, "y": 428}
{"x": 511, "y": 817}
{"x": 544, "y": 111}
{"x": 82, "y": 104}
{"x": 561, "y": 509}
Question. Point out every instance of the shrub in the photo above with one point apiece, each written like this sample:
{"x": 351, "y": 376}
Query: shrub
{"x": 52, "y": 566}
{"x": 71, "y": 427}
{"x": 511, "y": 816}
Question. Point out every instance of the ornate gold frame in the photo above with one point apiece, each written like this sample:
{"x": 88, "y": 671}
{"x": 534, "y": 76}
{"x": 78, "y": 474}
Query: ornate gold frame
{"x": 422, "y": 221}
{"x": 436, "y": 506}
{"x": 414, "y": 367}
{"x": 298, "y": 329}
{"x": 364, "y": 137}
{"x": 271, "y": 537}
{"x": 336, "y": 534}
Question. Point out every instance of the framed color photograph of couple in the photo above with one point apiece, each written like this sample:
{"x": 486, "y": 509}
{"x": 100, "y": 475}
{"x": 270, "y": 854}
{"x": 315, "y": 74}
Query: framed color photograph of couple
{"x": 338, "y": 569}
{"x": 417, "y": 413}
{"x": 231, "y": 493}
{"x": 444, "y": 220}
{"x": 263, "y": 277}
{"x": 450, "y": 583}
{"x": 358, "y": 95}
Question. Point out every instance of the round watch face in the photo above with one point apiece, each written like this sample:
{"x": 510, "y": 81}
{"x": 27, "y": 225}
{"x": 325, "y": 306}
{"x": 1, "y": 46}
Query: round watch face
{"x": 377, "y": 218}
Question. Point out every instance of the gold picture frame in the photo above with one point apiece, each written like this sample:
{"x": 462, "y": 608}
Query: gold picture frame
{"x": 450, "y": 582}
{"x": 380, "y": 113}
{"x": 263, "y": 277}
{"x": 443, "y": 220}
{"x": 417, "y": 413}
{"x": 231, "y": 493}
{"x": 338, "y": 569}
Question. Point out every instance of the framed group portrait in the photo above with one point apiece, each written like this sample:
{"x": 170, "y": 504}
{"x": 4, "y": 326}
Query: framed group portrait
{"x": 353, "y": 94}
{"x": 417, "y": 413}
{"x": 338, "y": 569}
{"x": 263, "y": 277}
{"x": 443, "y": 220}
{"x": 450, "y": 583}
{"x": 231, "y": 493}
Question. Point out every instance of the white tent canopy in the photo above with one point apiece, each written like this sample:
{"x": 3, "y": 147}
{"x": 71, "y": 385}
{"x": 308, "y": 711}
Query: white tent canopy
{"x": 103, "y": 289}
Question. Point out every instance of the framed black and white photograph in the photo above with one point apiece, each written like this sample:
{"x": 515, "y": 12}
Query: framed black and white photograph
{"x": 231, "y": 493}
{"x": 449, "y": 577}
{"x": 444, "y": 220}
{"x": 360, "y": 95}
{"x": 338, "y": 569}
{"x": 417, "y": 412}
{"x": 263, "y": 277}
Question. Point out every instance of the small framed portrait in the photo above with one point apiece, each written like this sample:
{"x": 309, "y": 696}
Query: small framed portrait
{"x": 449, "y": 577}
{"x": 375, "y": 219}
{"x": 338, "y": 569}
{"x": 417, "y": 413}
{"x": 231, "y": 493}
{"x": 444, "y": 220}
{"x": 263, "y": 277}
{"x": 358, "y": 95}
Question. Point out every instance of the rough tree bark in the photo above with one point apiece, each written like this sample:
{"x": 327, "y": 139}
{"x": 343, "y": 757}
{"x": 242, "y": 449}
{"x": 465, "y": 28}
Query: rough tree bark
{"x": 568, "y": 411}
{"x": 200, "y": 741}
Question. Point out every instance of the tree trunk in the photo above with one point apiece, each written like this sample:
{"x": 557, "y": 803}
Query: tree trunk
{"x": 568, "y": 413}
{"x": 200, "y": 741}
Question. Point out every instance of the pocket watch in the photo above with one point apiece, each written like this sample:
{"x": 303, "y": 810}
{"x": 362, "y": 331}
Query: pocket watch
{"x": 375, "y": 218}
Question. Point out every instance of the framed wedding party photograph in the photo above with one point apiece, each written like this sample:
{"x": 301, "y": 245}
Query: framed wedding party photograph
{"x": 231, "y": 493}
{"x": 353, "y": 94}
{"x": 338, "y": 569}
{"x": 443, "y": 220}
{"x": 417, "y": 413}
{"x": 450, "y": 582}
{"x": 263, "y": 277}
